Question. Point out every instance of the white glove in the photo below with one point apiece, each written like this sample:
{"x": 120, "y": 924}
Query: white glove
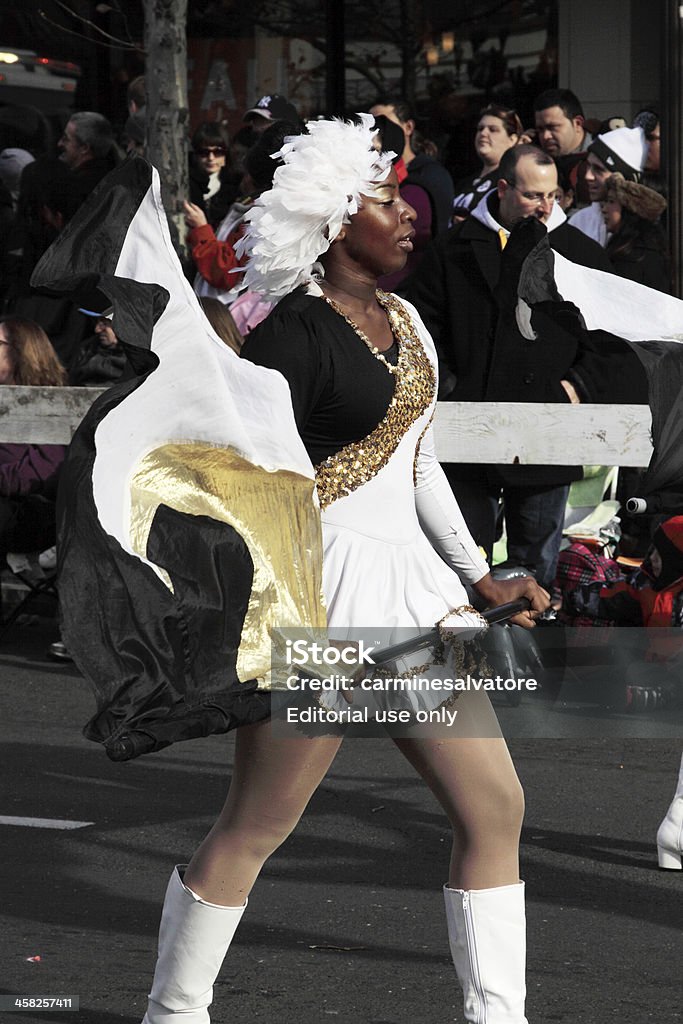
{"x": 461, "y": 624}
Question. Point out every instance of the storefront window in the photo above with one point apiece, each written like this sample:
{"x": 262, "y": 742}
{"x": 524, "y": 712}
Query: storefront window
{"x": 446, "y": 60}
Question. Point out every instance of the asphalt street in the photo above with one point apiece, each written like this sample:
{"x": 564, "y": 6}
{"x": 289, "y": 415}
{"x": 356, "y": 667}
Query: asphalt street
{"x": 346, "y": 923}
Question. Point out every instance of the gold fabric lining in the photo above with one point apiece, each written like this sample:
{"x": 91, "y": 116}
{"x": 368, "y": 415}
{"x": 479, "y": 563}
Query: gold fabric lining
{"x": 274, "y": 513}
{"x": 357, "y": 463}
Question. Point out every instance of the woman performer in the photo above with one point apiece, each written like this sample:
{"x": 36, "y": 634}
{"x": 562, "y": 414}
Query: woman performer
{"x": 362, "y": 374}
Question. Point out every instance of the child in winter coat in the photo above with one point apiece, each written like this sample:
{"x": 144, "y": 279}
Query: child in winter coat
{"x": 652, "y": 597}
{"x": 648, "y": 663}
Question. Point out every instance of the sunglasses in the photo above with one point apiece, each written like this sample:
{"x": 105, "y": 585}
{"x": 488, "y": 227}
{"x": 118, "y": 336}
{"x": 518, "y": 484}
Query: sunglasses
{"x": 211, "y": 151}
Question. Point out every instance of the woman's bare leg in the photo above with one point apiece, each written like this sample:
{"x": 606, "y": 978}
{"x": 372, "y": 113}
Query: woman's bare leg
{"x": 473, "y": 778}
{"x": 273, "y": 779}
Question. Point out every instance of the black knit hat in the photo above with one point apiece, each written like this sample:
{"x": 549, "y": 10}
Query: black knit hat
{"x": 391, "y": 136}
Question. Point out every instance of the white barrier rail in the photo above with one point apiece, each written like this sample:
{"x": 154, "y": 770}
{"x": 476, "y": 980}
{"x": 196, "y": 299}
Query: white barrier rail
{"x": 502, "y": 433}
{"x": 530, "y": 434}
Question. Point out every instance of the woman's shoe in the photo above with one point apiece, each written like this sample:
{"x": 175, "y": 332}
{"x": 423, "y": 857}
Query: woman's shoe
{"x": 487, "y": 935}
{"x": 194, "y": 937}
{"x": 670, "y": 832}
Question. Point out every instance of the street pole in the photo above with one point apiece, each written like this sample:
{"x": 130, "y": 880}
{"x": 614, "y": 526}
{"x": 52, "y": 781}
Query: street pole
{"x": 335, "y": 83}
{"x": 672, "y": 121}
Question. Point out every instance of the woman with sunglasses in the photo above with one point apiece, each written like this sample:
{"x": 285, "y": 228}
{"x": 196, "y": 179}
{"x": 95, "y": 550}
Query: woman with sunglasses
{"x": 213, "y": 182}
{"x": 218, "y": 266}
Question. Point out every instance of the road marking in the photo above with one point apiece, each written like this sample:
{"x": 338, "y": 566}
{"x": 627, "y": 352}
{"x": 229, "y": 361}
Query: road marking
{"x": 6, "y": 819}
{"x": 92, "y": 779}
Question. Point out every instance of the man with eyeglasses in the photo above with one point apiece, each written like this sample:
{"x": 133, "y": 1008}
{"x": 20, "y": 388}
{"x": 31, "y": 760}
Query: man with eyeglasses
{"x": 468, "y": 305}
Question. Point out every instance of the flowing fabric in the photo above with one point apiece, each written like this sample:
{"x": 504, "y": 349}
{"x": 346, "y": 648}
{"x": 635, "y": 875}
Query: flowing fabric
{"x": 649, "y": 321}
{"x": 189, "y": 526}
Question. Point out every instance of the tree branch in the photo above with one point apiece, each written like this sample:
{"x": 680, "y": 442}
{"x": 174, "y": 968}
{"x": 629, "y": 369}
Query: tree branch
{"x": 87, "y": 21}
{"x": 119, "y": 45}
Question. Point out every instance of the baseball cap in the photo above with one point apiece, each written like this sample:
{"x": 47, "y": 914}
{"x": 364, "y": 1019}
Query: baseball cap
{"x": 273, "y": 108}
{"x": 106, "y": 314}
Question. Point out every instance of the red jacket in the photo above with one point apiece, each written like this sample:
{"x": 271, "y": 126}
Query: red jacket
{"x": 215, "y": 260}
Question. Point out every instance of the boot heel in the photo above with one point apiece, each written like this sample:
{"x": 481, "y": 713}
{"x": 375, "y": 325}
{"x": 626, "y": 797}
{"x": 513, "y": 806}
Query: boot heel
{"x": 669, "y": 859}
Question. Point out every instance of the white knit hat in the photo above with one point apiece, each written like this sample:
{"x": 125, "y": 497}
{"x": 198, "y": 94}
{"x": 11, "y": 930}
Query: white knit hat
{"x": 624, "y": 150}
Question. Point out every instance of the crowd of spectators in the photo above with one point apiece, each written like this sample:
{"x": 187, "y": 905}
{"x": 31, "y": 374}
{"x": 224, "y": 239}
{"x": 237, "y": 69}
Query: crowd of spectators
{"x": 594, "y": 186}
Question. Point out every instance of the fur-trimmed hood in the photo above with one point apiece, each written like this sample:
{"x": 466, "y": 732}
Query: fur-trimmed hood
{"x": 639, "y": 199}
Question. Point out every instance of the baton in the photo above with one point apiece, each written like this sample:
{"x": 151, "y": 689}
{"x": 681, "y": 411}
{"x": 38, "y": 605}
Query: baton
{"x": 416, "y": 643}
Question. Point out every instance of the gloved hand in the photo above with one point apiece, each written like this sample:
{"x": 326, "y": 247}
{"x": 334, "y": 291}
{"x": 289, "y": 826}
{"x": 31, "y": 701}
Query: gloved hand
{"x": 464, "y": 623}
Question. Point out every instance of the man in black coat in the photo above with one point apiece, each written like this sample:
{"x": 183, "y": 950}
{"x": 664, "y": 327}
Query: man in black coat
{"x": 88, "y": 149}
{"x": 465, "y": 290}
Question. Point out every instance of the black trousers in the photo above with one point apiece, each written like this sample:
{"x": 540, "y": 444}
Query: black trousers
{"x": 26, "y": 524}
{"x": 534, "y": 519}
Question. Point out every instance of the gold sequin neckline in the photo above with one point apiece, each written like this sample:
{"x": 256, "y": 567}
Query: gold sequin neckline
{"x": 359, "y": 461}
{"x": 380, "y": 296}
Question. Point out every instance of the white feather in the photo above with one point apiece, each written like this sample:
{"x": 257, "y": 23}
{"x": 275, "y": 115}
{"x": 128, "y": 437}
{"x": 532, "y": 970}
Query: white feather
{"x": 315, "y": 191}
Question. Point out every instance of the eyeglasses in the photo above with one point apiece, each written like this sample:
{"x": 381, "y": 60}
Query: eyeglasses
{"x": 211, "y": 151}
{"x": 537, "y": 197}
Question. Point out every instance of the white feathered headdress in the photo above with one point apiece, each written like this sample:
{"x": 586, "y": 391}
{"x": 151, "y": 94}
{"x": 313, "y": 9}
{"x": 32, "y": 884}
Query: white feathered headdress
{"x": 315, "y": 190}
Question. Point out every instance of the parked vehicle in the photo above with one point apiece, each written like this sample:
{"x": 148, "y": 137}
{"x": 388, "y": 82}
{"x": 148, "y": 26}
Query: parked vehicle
{"x": 28, "y": 79}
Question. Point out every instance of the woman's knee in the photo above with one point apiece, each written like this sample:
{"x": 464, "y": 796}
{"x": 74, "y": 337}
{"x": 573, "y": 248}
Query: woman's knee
{"x": 498, "y": 811}
{"x": 511, "y": 802}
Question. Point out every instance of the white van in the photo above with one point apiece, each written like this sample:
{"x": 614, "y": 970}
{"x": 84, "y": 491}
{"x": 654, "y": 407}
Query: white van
{"x": 27, "y": 79}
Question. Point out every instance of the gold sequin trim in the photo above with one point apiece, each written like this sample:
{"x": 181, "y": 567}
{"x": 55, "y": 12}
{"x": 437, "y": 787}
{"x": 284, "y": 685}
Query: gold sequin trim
{"x": 417, "y": 447}
{"x": 357, "y": 463}
{"x": 393, "y": 369}
{"x": 448, "y": 637}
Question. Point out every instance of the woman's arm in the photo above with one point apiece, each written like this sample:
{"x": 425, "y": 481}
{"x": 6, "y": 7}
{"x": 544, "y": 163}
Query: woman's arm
{"x": 441, "y": 518}
{"x": 445, "y": 526}
{"x": 216, "y": 261}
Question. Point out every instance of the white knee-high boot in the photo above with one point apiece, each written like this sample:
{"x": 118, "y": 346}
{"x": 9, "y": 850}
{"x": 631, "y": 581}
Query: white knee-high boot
{"x": 670, "y": 832}
{"x": 194, "y": 937}
{"x": 487, "y": 935}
